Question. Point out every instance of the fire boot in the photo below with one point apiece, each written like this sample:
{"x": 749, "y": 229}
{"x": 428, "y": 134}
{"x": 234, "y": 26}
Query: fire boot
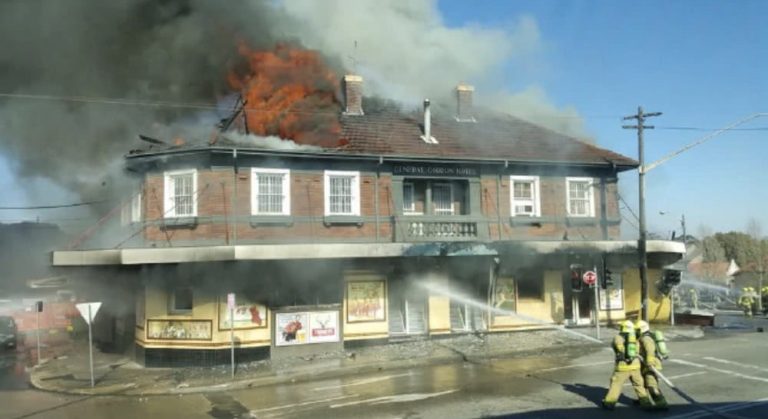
{"x": 660, "y": 403}
{"x": 608, "y": 405}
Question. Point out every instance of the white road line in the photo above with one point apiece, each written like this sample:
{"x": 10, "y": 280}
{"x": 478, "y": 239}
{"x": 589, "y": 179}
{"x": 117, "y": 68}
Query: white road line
{"x": 739, "y": 364}
{"x": 729, "y": 372}
{"x": 286, "y": 406}
{"x": 398, "y": 398}
{"x": 361, "y": 382}
{"x": 589, "y": 364}
{"x": 721, "y": 409}
{"x": 690, "y": 374}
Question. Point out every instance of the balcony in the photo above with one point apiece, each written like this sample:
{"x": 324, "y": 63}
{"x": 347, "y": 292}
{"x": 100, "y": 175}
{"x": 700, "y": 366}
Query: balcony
{"x": 435, "y": 228}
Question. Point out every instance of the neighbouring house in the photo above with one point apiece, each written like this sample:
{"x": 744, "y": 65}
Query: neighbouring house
{"x": 718, "y": 273}
{"x": 416, "y": 224}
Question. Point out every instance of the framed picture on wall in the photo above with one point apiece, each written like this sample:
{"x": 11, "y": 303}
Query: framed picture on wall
{"x": 179, "y": 329}
{"x": 366, "y": 301}
{"x": 613, "y": 297}
{"x": 504, "y": 295}
{"x": 247, "y": 314}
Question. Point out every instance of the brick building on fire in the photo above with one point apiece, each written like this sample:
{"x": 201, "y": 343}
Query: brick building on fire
{"x": 416, "y": 224}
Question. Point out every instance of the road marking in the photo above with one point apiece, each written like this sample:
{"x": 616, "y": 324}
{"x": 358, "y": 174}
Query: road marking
{"x": 286, "y": 406}
{"x": 690, "y": 374}
{"x": 721, "y": 409}
{"x": 398, "y": 398}
{"x": 361, "y": 382}
{"x": 725, "y": 361}
{"x": 729, "y": 372}
{"x": 589, "y": 364}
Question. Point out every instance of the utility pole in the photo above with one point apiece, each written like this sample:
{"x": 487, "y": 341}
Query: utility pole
{"x": 641, "y": 243}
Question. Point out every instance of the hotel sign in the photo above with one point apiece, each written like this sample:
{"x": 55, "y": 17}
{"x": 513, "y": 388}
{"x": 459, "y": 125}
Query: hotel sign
{"x": 432, "y": 170}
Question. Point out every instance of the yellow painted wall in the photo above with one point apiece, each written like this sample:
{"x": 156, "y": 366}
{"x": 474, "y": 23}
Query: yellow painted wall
{"x": 658, "y": 304}
{"x": 204, "y": 307}
{"x": 536, "y": 312}
{"x": 365, "y": 330}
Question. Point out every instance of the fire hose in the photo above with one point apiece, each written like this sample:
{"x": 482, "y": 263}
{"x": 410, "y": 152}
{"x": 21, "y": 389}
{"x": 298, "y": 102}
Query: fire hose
{"x": 690, "y": 399}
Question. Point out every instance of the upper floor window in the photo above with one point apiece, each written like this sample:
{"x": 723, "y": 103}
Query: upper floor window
{"x": 180, "y": 193}
{"x": 131, "y": 211}
{"x": 442, "y": 198}
{"x": 580, "y": 197}
{"x": 409, "y": 198}
{"x": 525, "y": 196}
{"x": 270, "y": 192}
{"x": 136, "y": 207}
{"x": 342, "y": 193}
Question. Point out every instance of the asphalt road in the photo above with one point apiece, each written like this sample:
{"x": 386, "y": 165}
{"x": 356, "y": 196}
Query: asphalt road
{"x": 727, "y": 372}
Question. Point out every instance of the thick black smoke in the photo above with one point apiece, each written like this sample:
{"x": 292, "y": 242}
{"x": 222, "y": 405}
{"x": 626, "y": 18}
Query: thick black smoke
{"x": 148, "y": 50}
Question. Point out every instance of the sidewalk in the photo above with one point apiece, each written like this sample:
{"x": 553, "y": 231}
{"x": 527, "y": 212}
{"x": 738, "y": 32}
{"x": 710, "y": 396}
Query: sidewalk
{"x": 118, "y": 374}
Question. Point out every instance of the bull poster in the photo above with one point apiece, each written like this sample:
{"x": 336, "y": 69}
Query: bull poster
{"x": 366, "y": 301}
{"x": 247, "y": 315}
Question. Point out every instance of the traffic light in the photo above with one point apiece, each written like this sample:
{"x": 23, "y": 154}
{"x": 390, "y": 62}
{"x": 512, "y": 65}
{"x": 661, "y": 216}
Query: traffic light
{"x": 577, "y": 273}
{"x": 39, "y": 306}
{"x": 606, "y": 280}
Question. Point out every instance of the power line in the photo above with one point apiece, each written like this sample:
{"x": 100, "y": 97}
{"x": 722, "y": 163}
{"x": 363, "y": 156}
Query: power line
{"x": 712, "y": 129}
{"x": 38, "y": 207}
{"x": 627, "y": 206}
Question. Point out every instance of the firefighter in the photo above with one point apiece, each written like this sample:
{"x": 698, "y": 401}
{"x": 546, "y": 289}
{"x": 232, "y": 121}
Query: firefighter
{"x": 653, "y": 349}
{"x": 625, "y": 348}
{"x": 746, "y": 301}
{"x": 764, "y": 299}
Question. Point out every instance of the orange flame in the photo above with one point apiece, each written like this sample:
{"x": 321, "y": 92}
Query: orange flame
{"x": 289, "y": 92}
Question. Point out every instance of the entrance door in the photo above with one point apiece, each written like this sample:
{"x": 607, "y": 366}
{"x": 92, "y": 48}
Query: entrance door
{"x": 582, "y": 307}
{"x": 407, "y": 309}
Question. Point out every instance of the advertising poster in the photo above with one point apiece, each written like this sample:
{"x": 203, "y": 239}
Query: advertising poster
{"x": 291, "y": 328}
{"x": 613, "y": 297}
{"x": 323, "y": 326}
{"x": 248, "y": 315}
{"x": 366, "y": 301}
{"x": 504, "y": 295}
{"x": 179, "y": 329}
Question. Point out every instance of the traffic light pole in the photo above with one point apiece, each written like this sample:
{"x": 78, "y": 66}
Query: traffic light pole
{"x": 641, "y": 242}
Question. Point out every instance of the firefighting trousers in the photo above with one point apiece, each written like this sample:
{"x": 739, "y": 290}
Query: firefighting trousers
{"x": 617, "y": 381}
{"x": 652, "y": 385}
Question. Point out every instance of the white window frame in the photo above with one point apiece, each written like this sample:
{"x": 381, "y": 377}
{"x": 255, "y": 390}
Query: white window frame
{"x": 412, "y": 209}
{"x": 169, "y": 208}
{"x": 136, "y": 202}
{"x": 590, "y": 196}
{"x": 286, "y": 173}
{"x": 450, "y": 188}
{"x": 355, "y": 187}
{"x": 535, "y": 201}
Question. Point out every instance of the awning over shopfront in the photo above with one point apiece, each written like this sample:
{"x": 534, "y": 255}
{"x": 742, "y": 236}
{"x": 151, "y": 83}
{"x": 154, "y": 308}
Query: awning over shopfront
{"x": 140, "y": 256}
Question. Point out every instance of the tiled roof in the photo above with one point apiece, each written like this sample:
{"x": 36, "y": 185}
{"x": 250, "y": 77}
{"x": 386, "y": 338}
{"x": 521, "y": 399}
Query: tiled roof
{"x": 493, "y": 136}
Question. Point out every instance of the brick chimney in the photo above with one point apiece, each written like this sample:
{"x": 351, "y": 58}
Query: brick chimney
{"x": 353, "y": 95}
{"x": 464, "y": 103}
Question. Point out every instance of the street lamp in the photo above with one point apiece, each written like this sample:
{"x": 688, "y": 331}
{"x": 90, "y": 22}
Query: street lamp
{"x": 643, "y": 169}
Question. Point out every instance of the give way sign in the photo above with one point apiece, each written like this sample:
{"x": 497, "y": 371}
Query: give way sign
{"x": 590, "y": 277}
{"x": 83, "y": 308}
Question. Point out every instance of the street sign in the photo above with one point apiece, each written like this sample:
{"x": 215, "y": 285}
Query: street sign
{"x": 83, "y": 309}
{"x": 88, "y": 311}
{"x": 590, "y": 277}
{"x": 231, "y": 301}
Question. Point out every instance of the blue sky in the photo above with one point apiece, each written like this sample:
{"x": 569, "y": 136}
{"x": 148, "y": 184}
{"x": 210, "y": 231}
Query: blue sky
{"x": 702, "y": 63}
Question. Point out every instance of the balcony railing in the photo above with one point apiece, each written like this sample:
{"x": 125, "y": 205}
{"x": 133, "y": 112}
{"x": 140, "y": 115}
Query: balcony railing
{"x": 430, "y": 229}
